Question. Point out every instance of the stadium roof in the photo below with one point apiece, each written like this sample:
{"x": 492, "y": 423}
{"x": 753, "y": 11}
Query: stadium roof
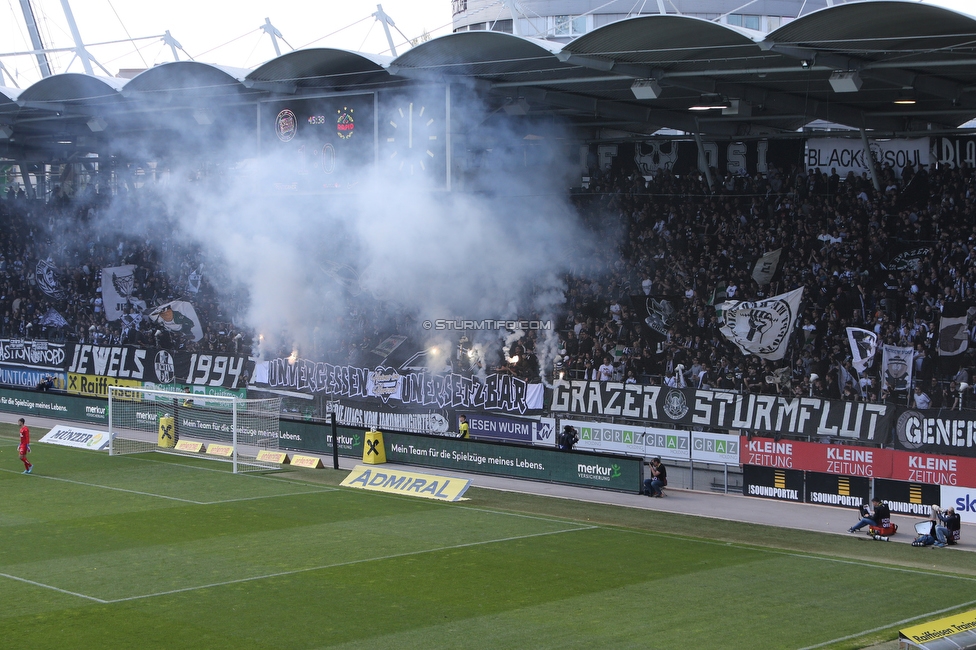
{"x": 890, "y": 66}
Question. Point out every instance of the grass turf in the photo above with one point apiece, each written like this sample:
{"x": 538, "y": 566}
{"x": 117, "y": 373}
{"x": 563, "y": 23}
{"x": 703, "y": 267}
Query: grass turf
{"x": 157, "y": 551}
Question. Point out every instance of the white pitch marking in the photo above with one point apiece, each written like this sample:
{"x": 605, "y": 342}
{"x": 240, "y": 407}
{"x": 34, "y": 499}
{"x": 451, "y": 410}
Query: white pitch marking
{"x": 63, "y": 591}
{"x": 885, "y": 627}
{"x": 349, "y": 563}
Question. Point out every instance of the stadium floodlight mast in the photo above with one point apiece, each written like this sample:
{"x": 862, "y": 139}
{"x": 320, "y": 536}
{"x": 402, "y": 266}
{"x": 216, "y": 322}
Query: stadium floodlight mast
{"x": 142, "y": 420}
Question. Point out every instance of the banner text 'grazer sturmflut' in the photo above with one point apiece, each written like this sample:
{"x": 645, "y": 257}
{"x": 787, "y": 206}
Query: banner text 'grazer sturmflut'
{"x": 807, "y": 416}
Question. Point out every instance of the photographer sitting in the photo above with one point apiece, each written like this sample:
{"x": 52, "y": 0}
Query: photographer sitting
{"x": 947, "y": 526}
{"x": 879, "y": 518}
{"x": 658, "y": 479}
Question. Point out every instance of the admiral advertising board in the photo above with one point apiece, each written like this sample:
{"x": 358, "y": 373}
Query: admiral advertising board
{"x": 835, "y": 490}
{"x": 903, "y": 498}
{"x": 772, "y": 483}
{"x": 764, "y": 414}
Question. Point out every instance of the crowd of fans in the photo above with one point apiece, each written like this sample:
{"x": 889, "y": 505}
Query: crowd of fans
{"x": 686, "y": 248}
{"x": 648, "y": 312}
{"x": 51, "y": 260}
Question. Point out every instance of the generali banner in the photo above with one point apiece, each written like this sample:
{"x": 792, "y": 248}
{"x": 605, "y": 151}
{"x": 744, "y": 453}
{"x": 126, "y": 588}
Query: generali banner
{"x": 763, "y": 414}
{"x": 936, "y": 431}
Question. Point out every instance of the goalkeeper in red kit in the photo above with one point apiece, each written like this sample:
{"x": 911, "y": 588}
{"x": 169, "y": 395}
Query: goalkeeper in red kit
{"x": 24, "y": 447}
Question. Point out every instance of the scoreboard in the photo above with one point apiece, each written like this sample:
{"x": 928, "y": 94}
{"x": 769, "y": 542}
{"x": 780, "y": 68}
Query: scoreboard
{"x": 316, "y": 144}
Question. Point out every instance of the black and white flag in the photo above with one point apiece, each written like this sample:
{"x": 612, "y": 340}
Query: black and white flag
{"x": 48, "y": 281}
{"x": 896, "y": 366}
{"x": 864, "y": 344}
{"x": 762, "y": 327}
{"x": 954, "y": 329}
{"x": 766, "y": 266}
{"x": 52, "y": 319}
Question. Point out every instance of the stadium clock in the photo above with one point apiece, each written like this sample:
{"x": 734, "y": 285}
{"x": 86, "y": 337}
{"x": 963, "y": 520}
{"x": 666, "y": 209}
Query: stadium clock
{"x": 413, "y": 139}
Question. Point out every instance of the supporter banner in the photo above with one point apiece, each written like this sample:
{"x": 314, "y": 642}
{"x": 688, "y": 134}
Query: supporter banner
{"x": 682, "y": 156}
{"x": 833, "y": 490}
{"x": 96, "y": 386}
{"x": 430, "y": 422}
{"x": 954, "y": 152}
{"x": 906, "y": 257}
{"x": 816, "y": 457}
{"x": 769, "y": 483}
{"x": 761, "y": 327}
{"x": 954, "y": 328}
{"x": 447, "y": 390}
{"x": 30, "y": 378}
{"x": 27, "y": 352}
{"x": 48, "y": 280}
{"x": 903, "y": 498}
{"x": 118, "y": 283}
{"x": 848, "y": 155}
{"x": 770, "y": 414}
{"x": 500, "y": 428}
{"x": 590, "y": 470}
{"x": 158, "y": 366}
{"x": 863, "y": 344}
{"x": 936, "y": 431}
{"x": 896, "y": 366}
{"x": 180, "y": 317}
{"x": 963, "y": 499}
{"x": 933, "y": 469}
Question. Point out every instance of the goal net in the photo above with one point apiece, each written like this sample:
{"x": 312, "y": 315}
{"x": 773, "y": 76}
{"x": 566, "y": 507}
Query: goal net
{"x": 222, "y": 427}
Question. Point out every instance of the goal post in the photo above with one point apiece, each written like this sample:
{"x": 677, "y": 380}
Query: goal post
{"x": 142, "y": 420}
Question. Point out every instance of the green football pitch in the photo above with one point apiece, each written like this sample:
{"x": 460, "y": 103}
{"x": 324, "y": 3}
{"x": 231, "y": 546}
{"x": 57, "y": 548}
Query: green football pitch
{"x": 159, "y": 551}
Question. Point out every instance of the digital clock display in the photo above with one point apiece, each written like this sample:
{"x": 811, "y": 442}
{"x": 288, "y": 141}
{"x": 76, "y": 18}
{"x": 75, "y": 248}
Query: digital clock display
{"x": 316, "y": 119}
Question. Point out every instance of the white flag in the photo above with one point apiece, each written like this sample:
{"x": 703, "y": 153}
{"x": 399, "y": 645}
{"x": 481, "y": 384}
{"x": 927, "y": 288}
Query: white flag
{"x": 765, "y": 267}
{"x": 118, "y": 282}
{"x": 762, "y": 327}
{"x": 178, "y": 316}
{"x": 864, "y": 344}
{"x": 896, "y": 366}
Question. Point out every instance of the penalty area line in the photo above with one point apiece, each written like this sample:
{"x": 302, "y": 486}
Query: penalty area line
{"x": 890, "y": 625}
{"x": 108, "y": 487}
{"x": 58, "y": 589}
{"x": 336, "y": 565}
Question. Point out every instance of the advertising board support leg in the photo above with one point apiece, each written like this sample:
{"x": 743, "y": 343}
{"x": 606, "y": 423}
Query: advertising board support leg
{"x": 726, "y": 469}
{"x": 335, "y": 441}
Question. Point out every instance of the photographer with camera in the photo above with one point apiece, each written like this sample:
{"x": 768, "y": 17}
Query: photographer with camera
{"x": 568, "y": 438}
{"x": 879, "y": 518}
{"x": 658, "y": 479}
{"x": 947, "y": 526}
